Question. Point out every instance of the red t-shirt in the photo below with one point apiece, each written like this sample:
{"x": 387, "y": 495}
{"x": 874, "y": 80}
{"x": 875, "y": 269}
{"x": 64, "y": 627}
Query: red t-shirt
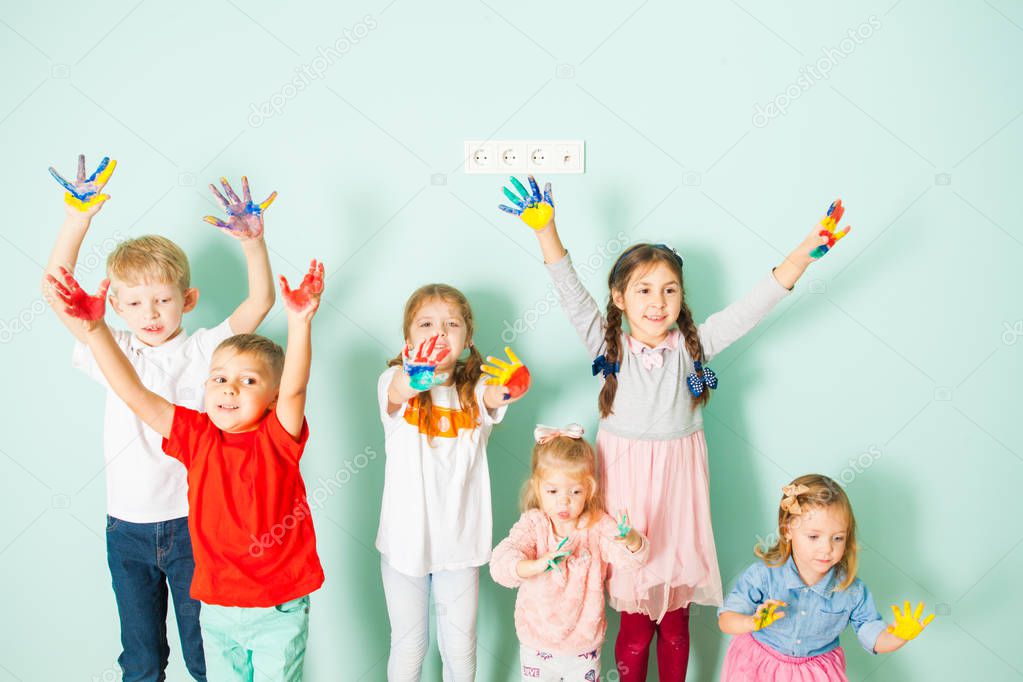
{"x": 252, "y": 530}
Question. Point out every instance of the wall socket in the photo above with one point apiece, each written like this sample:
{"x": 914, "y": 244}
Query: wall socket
{"x": 505, "y": 157}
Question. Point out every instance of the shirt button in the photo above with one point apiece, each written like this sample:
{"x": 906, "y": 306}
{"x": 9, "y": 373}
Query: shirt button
{"x": 802, "y": 613}
{"x": 799, "y": 641}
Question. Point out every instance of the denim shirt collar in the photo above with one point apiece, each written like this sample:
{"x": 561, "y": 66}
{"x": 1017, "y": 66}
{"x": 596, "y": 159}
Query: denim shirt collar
{"x": 824, "y": 587}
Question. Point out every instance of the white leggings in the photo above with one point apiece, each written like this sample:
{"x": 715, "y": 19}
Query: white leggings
{"x": 455, "y": 597}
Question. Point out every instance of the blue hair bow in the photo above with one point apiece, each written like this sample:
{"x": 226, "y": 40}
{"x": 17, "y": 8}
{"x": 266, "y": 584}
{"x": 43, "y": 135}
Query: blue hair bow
{"x": 702, "y": 377}
{"x": 602, "y": 365}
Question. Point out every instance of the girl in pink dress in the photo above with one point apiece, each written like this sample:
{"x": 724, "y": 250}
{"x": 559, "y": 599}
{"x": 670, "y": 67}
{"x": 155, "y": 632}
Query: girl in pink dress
{"x": 557, "y": 555}
{"x": 650, "y": 443}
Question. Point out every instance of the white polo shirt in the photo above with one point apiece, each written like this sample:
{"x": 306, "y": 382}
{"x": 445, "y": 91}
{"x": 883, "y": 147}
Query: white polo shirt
{"x": 144, "y": 485}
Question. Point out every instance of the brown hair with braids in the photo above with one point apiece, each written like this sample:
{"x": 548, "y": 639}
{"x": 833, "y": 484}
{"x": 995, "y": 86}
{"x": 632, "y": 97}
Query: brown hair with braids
{"x": 467, "y": 372}
{"x": 812, "y": 491}
{"x": 639, "y": 259}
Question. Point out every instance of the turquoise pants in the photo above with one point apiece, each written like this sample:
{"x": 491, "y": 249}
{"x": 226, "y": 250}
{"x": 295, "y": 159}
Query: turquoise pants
{"x": 249, "y": 644}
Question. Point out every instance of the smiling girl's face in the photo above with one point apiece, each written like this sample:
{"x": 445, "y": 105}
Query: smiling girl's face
{"x": 438, "y": 316}
{"x": 818, "y": 538}
{"x": 651, "y": 302}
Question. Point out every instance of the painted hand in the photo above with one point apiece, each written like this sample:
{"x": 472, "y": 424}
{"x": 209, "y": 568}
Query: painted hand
{"x": 828, "y": 225}
{"x": 244, "y": 218}
{"x": 422, "y": 367}
{"x": 908, "y": 624}
{"x": 767, "y": 613}
{"x": 512, "y": 375}
{"x": 85, "y": 193}
{"x": 536, "y": 210}
{"x": 306, "y": 298}
{"x": 77, "y": 303}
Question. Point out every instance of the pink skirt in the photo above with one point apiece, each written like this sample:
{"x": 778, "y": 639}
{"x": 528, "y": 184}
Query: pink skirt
{"x": 748, "y": 660}
{"x": 664, "y": 486}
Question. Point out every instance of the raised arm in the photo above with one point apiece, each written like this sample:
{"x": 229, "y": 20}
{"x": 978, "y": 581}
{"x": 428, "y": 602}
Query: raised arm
{"x": 245, "y": 223}
{"x": 88, "y": 312}
{"x": 83, "y": 200}
{"x": 301, "y": 305}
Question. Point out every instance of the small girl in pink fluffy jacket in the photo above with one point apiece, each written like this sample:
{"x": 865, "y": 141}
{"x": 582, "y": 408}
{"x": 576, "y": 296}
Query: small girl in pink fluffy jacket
{"x": 557, "y": 554}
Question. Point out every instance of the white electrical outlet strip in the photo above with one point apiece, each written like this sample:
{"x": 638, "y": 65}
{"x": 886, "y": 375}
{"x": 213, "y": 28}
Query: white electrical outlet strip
{"x": 505, "y": 157}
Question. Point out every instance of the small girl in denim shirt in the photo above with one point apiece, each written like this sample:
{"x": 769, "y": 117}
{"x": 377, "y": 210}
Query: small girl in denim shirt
{"x": 790, "y": 608}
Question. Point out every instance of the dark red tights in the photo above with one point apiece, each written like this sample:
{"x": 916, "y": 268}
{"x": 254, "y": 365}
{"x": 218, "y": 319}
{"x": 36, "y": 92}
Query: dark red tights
{"x": 632, "y": 648}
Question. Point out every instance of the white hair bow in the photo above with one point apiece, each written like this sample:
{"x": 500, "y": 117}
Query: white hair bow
{"x": 542, "y": 433}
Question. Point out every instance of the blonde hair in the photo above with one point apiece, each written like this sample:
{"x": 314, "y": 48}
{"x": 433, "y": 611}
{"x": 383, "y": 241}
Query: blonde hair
{"x": 260, "y": 346}
{"x": 467, "y": 372}
{"x": 574, "y": 457}
{"x": 150, "y": 258}
{"x": 821, "y": 492}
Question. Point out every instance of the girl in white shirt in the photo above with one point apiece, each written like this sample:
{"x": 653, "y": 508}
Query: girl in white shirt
{"x": 437, "y": 409}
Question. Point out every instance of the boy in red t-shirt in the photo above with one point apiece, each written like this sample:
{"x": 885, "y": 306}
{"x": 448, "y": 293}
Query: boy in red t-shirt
{"x": 251, "y": 527}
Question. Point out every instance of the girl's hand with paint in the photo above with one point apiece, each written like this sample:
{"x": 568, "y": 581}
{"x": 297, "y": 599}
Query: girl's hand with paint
{"x": 302, "y": 303}
{"x": 421, "y": 367}
{"x": 908, "y": 624}
{"x": 244, "y": 218}
{"x": 767, "y": 613}
{"x": 821, "y": 239}
{"x": 78, "y": 303}
{"x": 530, "y": 568}
{"x": 535, "y": 209}
{"x": 507, "y": 381}
{"x": 628, "y": 535}
{"x": 84, "y": 196}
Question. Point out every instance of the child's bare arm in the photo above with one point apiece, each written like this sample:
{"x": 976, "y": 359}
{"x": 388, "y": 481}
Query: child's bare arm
{"x": 80, "y": 207}
{"x": 87, "y": 311}
{"x": 245, "y": 223}
{"x": 301, "y": 305}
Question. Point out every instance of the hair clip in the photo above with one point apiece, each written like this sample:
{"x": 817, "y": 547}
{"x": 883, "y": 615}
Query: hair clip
{"x": 543, "y": 434}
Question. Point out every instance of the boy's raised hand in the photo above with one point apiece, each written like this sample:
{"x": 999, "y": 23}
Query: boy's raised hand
{"x": 304, "y": 300}
{"x": 535, "y": 209}
{"x": 84, "y": 195}
{"x": 244, "y": 218}
{"x": 78, "y": 303}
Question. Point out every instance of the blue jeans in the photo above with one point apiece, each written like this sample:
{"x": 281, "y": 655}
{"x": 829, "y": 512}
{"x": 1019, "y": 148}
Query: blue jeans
{"x": 144, "y": 559}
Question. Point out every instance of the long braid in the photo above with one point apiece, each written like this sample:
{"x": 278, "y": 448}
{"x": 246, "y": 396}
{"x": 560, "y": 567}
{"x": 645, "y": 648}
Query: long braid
{"x": 613, "y": 355}
{"x": 693, "y": 345}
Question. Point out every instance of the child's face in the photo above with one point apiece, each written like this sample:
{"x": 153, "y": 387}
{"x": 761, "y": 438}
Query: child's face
{"x": 152, "y": 310}
{"x": 240, "y": 390}
{"x": 437, "y": 316}
{"x": 651, "y": 302}
{"x": 562, "y": 496}
{"x": 818, "y": 538}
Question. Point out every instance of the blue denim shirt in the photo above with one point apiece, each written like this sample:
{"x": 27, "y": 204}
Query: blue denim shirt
{"x": 815, "y": 615}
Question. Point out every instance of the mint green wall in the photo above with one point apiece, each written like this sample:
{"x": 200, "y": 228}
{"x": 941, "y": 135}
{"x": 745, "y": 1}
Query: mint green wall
{"x": 898, "y": 352}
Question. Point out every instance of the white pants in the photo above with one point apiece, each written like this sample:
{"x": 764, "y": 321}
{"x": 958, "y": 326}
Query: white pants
{"x": 455, "y": 598}
{"x": 547, "y": 667}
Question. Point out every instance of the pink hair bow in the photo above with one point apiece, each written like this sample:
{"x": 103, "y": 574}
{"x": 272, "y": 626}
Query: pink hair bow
{"x": 543, "y": 434}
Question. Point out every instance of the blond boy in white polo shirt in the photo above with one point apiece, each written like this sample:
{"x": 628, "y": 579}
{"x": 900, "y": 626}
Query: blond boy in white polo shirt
{"x": 148, "y": 547}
